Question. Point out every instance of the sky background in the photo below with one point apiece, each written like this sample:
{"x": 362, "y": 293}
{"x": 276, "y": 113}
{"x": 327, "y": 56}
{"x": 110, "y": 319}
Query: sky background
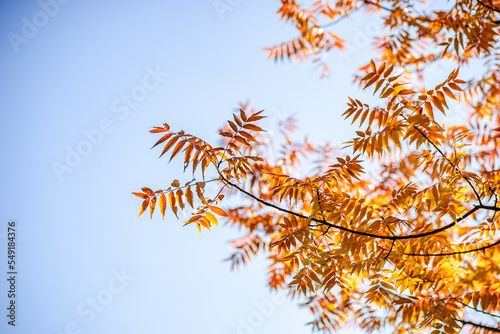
{"x": 78, "y": 236}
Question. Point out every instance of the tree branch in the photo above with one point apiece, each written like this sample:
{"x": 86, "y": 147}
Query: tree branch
{"x": 366, "y": 234}
{"x": 448, "y": 160}
{"x": 475, "y": 309}
{"x": 451, "y": 253}
{"x": 489, "y": 7}
{"x": 493, "y": 329}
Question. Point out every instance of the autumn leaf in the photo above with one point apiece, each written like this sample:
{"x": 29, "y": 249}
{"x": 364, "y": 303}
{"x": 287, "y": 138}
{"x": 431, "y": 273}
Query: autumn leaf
{"x": 163, "y": 205}
{"x": 218, "y": 211}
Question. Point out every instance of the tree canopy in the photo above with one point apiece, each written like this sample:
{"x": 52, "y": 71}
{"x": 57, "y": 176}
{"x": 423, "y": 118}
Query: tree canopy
{"x": 397, "y": 228}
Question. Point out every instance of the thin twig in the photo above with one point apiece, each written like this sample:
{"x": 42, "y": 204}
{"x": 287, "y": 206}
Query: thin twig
{"x": 377, "y": 5}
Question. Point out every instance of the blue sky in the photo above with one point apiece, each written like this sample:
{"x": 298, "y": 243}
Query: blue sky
{"x": 109, "y": 71}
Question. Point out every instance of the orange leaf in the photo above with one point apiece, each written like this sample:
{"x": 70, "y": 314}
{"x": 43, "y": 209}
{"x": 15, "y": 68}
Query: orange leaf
{"x": 371, "y": 81}
{"x": 252, "y": 127}
{"x": 170, "y": 143}
{"x": 242, "y": 140}
{"x": 233, "y": 126}
{"x": 143, "y": 206}
{"x": 381, "y": 69}
{"x": 237, "y": 120}
{"x": 163, "y": 205}
{"x": 368, "y": 76}
{"x": 454, "y": 86}
{"x": 152, "y": 205}
{"x": 438, "y": 104}
{"x": 205, "y": 223}
{"x": 173, "y": 204}
{"x": 189, "y": 196}
{"x": 156, "y": 129}
{"x": 178, "y": 148}
{"x": 243, "y": 115}
{"x": 428, "y": 109}
{"x": 448, "y": 92}
{"x": 218, "y": 211}
{"x": 256, "y": 117}
{"x": 180, "y": 198}
{"x": 248, "y": 136}
{"x": 162, "y": 139}
{"x": 148, "y": 191}
{"x": 388, "y": 71}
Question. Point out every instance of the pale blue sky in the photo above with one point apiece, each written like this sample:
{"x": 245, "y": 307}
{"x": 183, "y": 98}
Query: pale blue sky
{"x": 78, "y": 231}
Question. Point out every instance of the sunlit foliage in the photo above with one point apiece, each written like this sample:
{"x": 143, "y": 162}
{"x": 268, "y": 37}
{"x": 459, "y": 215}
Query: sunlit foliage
{"x": 409, "y": 244}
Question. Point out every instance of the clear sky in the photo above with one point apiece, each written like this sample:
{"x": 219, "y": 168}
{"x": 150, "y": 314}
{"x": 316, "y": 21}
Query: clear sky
{"x": 93, "y": 77}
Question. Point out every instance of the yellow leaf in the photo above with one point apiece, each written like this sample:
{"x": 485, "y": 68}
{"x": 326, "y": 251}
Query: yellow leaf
{"x": 211, "y": 218}
{"x": 204, "y": 222}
